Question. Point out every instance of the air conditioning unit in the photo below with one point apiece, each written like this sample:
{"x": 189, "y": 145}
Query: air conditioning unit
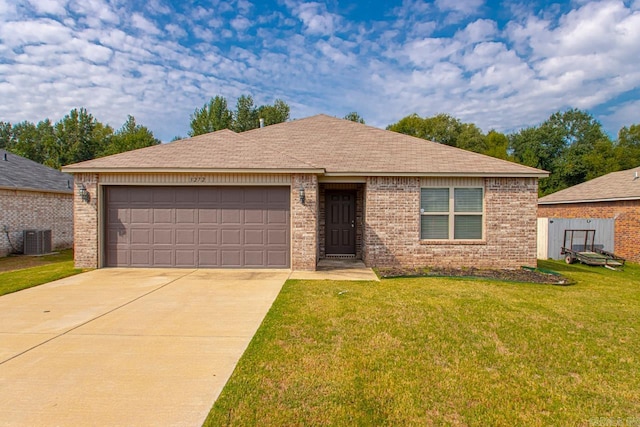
{"x": 37, "y": 242}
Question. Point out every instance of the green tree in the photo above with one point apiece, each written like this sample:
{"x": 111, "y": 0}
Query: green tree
{"x": 26, "y": 141}
{"x": 6, "y": 135}
{"x": 497, "y": 145}
{"x": 213, "y": 116}
{"x": 246, "y": 114}
{"x": 354, "y": 117}
{"x": 274, "y": 114}
{"x": 80, "y": 137}
{"x": 571, "y": 145}
{"x": 413, "y": 125}
{"x": 130, "y": 136}
{"x": 627, "y": 149}
{"x": 471, "y": 138}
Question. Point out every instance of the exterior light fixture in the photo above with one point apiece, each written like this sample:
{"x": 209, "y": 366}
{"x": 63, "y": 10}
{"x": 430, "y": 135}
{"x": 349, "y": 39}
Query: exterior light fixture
{"x": 84, "y": 194}
{"x": 302, "y": 195}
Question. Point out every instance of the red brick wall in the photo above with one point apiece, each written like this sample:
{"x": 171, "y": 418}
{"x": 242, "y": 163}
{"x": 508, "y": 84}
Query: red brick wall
{"x": 21, "y": 210}
{"x": 85, "y": 218}
{"x": 392, "y": 226}
{"x": 625, "y": 213}
{"x": 304, "y": 222}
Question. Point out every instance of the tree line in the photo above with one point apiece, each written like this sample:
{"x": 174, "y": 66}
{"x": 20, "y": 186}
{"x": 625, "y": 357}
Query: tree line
{"x": 571, "y": 145}
{"x": 76, "y": 137}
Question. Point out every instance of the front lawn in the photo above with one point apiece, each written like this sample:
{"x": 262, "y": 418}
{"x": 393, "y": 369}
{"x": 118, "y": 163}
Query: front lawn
{"x": 437, "y": 351}
{"x": 21, "y": 272}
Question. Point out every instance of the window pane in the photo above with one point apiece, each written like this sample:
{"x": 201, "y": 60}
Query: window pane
{"x": 435, "y": 200}
{"x": 468, "y": 199}
{"x": 435, "y": 227}
{"x": 468, "y": 227}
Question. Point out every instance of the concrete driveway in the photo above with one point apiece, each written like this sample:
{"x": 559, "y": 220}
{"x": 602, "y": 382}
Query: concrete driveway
{"x": 127, "y": 346}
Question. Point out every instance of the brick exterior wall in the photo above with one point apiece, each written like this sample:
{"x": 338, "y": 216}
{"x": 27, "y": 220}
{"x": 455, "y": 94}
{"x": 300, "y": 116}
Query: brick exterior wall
{"x": 392, "y": 226}
{"x": 304, "y": 222}
{"x": 85, "y": 217}
{"x": 20, "y": 210}
{"x": 625, "y": 213}
{"x": 322, "y": 213}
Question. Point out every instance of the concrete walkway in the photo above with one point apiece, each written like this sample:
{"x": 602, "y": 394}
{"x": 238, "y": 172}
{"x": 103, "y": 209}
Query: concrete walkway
{"x": 127, "y": 346}
{"x": 337, "y": 269}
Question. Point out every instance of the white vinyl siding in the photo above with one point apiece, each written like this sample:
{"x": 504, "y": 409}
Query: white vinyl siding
{"x": 451, "y": 213}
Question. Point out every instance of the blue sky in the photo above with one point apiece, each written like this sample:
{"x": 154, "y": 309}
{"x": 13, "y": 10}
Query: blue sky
{"x": 502, "y": 65}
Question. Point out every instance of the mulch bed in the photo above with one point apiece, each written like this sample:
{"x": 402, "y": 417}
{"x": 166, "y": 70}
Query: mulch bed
{"x": 521, "y": 275}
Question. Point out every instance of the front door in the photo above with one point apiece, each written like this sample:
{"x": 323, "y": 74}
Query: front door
{"x": 340, "y": 223}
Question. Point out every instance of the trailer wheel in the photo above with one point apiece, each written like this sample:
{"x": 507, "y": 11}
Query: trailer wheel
{"x": 569, "y": 259}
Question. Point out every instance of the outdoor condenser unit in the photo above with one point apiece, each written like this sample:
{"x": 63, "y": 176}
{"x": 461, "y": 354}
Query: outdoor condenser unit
{"x": 37, "y": 242}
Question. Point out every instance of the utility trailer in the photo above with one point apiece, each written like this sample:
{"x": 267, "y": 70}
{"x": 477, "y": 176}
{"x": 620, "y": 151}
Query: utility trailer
{"x": 579, "y": 246}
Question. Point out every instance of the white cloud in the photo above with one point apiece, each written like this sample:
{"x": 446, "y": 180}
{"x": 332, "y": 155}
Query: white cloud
{"x": 316, "y": 18}
{"x": 51, "y": 7}
{"x": 240, "y": 23}
{"x": 144, "y": 24}
{"x": 16, "y": 33}
{"x": 175, "y": 30}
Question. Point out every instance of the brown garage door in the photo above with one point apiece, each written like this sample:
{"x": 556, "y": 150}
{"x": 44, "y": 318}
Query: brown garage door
{"x": 197, "y": 227}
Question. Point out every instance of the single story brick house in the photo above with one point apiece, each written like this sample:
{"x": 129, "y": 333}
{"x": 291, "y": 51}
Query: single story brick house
{"x": 33, "y": 196}
{"x": 613, "y": 196}
{"x": 287, "y": 195}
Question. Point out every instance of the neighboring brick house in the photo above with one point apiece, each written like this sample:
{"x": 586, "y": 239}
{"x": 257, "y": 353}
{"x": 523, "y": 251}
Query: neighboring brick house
{"x": 33, "y": 196}
{"x": 287, "y": 195}
{"x": 613, "y": 196}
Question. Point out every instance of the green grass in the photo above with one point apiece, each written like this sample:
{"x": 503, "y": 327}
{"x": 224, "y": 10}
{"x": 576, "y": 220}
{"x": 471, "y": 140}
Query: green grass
{"x": 437, "y": 351}
{"x": 17, "y": 273}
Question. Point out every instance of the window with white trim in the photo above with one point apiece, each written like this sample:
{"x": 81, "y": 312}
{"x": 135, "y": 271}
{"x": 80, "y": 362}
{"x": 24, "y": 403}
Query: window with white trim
{"x": 451, "y": 213}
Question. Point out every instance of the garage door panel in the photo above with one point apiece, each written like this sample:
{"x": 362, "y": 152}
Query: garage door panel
{"x": 277, "y": 257}
{"x": 163, "y": 216}
{"x": 231, "y": 258}
{"x": 208, "y": 258}
{"x": 185, "y": 237}
{"x": 140, "y": 257}
{"x": 277, "y": 217}
{"x": 185, "y": 258}
{"x": 231, "y": 216}
{"x": 254, "y": 216}
{"x": 208, "y": 237}
{"x": 163, "y": 257}
{"x": 185, "y": 216}
{"x": 118, "y": 216}
{"x": 230, "y": 237}
{"x": 140, "y": 236}
{"x": 254, "y": 237}
{"x": 197, "y": 226}
{"x": 277, "y": 237}
{"x": 208, "y": 216}
{"x": 254, "y": 258}
{"x": 163, "y": 236}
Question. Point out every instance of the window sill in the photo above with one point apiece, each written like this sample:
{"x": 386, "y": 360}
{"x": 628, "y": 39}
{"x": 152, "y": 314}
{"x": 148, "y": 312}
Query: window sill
{"x": 453, "y": 242}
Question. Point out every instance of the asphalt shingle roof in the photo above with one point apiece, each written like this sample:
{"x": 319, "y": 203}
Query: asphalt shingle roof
{"x": 23, "y": 174}
{"x": 320, "y": 142}
{"x": 623, "y": 185}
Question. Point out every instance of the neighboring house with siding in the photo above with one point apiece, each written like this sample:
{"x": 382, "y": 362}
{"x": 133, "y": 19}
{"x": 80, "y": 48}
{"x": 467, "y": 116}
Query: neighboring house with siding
{"x": 287, "y": 195}
{"x": 613, "y": 196}
{"x": 33, "y": 196}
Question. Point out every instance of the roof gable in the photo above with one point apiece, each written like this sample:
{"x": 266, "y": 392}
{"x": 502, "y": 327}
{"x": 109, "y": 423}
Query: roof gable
{"x": 19, "y": 173}
{"x": 623, "y": 185}
{"x": 319, "y": 143}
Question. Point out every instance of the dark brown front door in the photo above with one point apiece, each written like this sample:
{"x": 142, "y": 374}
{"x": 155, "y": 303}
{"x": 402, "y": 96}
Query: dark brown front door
{"x": 340, "y": 223}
